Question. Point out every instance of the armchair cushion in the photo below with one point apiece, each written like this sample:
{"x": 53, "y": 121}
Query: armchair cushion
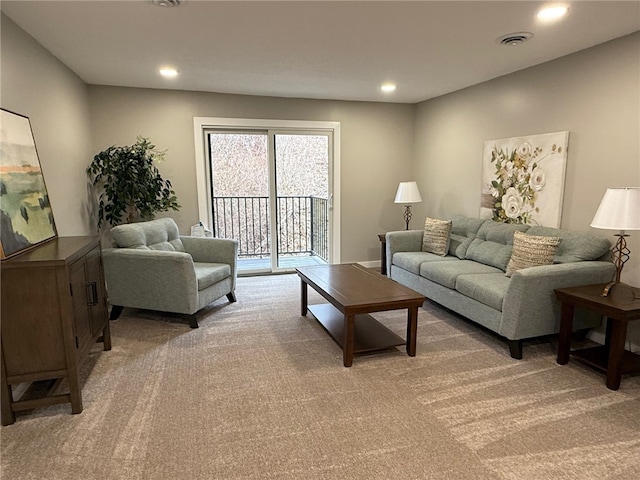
{"x": 160, "y": 234}
{"x": 209, "y": 273}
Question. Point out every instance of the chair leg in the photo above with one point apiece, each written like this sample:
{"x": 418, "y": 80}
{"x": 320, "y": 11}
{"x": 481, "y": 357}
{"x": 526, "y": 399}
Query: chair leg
{"x": 231, "y": 296}
{"x": 116, "y": 310}
{"x": 193, "y": 321}
{"x": 515, "y": 349}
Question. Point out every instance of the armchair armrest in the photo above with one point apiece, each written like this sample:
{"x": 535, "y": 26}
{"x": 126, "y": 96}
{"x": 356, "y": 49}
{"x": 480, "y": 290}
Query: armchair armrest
{"x": 530, "y": 307}
{"x": 213, "y": 250}
{"x": 402, "y": 241}
{"x": 151, "y": 279}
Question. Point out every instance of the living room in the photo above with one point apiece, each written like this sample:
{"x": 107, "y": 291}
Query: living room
{"x": 593, "y": 93}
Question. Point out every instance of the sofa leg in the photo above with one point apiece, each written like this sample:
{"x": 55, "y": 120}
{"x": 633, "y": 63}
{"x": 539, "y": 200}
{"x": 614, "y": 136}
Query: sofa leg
{"x": 515, "y": 349}
{"x": 231, "y": 296}
{"x": 116, "y": 310}
{"x": 193, "y": 321}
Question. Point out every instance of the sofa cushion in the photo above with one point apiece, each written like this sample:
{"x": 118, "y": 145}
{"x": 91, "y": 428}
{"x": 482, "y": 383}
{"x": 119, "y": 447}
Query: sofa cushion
{"x": 160, "y": 234}
{"x": 209, "y": 273}
{"x": 488, "y": 289}
{"x": 435, "y": 238}
{"x": 411, "y": 261}
{"x": 575, "y": 246}
{"x": 446, "y": 273}
{"x": 531, "y": 251}
{"x": 493, "y": 243}
{"x": 463, "y": 231}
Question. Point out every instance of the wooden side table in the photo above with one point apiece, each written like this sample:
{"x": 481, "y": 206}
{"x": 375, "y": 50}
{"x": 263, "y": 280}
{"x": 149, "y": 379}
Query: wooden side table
{"x": 620, "y": 308}
{"x": 383, "y": 252}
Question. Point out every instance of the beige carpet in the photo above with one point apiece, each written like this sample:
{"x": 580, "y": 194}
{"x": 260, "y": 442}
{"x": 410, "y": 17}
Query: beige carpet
{"x": 258, "y": 392}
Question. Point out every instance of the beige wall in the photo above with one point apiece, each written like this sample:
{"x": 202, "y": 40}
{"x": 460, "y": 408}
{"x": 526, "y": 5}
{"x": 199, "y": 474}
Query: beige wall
{"x": 36, "y": 84}
{"x": 376, "y": 153}
{"x": 594, "y": 94}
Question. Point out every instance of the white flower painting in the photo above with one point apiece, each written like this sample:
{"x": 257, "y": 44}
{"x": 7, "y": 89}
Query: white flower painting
{"x": 523, "y": 179}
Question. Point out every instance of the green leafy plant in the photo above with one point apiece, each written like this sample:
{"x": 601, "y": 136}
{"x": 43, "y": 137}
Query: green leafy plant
{"x": 130, "y": 184}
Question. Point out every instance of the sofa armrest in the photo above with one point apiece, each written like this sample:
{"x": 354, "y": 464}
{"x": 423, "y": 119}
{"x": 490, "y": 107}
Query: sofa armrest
{"x": 402, "y": 241}
{"x": 150, "y": 279}
{"x": 530, "y": 308}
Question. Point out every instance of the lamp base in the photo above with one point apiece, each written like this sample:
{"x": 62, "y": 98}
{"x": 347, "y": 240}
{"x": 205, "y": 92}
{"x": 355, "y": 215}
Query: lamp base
{"x": 407, "y": 215}
{"x": 608, "y": 289}
{"x": 620, "y": 253}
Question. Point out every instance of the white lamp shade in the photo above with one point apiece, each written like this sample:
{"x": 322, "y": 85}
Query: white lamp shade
{"x": 408, "y": 193}
{"x": 619, "y": 209}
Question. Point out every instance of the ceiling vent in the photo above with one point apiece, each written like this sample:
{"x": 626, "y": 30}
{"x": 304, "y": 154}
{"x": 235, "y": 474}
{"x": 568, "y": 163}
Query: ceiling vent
{"x": 167, "y": 3}
{"x": 514, "y": 39}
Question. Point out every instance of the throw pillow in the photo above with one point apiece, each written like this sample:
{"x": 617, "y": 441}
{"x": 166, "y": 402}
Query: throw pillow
{"x": 436, "y": 236}
{"x": 531, "y": 251}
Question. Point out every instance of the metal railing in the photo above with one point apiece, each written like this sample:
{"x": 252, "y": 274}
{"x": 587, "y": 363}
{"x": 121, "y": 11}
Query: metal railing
{"x": 303, "y": 225}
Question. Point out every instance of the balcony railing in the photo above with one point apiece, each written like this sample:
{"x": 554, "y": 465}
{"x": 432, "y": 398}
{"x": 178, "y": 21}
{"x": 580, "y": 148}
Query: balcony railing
{"x": 302, "y": 225}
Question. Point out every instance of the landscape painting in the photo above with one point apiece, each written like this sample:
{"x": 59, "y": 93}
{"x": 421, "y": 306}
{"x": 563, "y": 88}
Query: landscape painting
{"x": 26, "y": 218}
{"x": 523, "y": 179}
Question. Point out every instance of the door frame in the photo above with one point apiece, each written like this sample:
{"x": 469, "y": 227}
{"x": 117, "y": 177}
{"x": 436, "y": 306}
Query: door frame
{"x": 203, "y": 183}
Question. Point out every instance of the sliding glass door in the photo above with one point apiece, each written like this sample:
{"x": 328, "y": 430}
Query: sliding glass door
{"x": 270, "y": 190}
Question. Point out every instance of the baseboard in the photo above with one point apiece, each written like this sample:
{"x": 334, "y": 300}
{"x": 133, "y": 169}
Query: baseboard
{"x": 370, "y": 264}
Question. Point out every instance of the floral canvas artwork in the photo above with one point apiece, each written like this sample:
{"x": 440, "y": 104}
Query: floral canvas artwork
{"x": 523, "y": 179}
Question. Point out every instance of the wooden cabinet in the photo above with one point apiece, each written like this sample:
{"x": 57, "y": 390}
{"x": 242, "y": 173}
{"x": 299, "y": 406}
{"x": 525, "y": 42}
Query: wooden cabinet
{"x": 53, "y": 311}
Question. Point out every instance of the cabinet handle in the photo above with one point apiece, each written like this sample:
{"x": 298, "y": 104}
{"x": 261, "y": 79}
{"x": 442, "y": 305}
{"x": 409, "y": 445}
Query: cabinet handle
{"x": 94, "y": 290}
{"x": 92, "y": 293}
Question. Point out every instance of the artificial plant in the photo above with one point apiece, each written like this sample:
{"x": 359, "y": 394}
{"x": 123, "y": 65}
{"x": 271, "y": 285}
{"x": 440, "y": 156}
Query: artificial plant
{"x": 130, "y": 185}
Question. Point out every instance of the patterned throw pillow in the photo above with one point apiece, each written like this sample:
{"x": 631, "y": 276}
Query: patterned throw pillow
{"x": 436, "y": 236}
{"x": 531, "y": 251}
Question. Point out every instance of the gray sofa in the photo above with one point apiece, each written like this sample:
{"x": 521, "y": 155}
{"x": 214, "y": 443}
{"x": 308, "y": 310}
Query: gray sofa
{"x": 152, "y": 267}
{"x": 470, "y": 279}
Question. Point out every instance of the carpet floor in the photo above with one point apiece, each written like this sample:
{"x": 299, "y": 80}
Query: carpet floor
{"x": 259, "y": 392}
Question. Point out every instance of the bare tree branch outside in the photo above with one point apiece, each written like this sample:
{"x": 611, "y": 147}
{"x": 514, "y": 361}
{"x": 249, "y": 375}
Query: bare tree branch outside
{"x": 240, "y": 181}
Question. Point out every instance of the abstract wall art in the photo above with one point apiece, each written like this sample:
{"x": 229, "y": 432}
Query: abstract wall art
{"x": 523, "y": 179}
{"x": 26, "y": 218}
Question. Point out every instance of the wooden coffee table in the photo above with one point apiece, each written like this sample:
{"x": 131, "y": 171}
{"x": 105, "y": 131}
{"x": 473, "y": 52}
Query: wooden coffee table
{"x": 353, "y": 292}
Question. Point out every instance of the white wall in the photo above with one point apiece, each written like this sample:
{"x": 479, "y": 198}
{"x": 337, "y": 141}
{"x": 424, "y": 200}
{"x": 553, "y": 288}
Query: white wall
{"x": 595, "y": 94}
{"x": 376, "y": 154}
{"x": 36, "y": 84}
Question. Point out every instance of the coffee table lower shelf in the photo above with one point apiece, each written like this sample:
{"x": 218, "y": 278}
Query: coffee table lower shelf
{"x": 369, "y": 334}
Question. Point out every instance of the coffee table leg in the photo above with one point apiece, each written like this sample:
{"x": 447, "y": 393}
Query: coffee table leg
{"x": 347, "y": 351}
{"x": 303, "y": 297}
{"x": 412, "y": 330}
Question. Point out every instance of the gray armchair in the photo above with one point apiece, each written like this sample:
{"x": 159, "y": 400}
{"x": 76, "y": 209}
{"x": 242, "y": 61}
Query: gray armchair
{"x": 152, "y": 267}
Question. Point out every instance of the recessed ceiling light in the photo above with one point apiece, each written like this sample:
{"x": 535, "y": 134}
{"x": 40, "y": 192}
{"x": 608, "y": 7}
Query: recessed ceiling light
{"x": 388, "y": 87}
{"x": 168, "y": 72}
{"x": 552, "y": 13}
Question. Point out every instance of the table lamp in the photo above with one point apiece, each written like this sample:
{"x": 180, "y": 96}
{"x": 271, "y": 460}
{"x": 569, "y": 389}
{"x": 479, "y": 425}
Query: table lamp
{"x": 618, "y": 210}
{"x": 408, "y": 193}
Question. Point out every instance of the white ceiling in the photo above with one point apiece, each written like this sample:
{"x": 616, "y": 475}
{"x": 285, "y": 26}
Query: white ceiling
{"x": 325, "y": 49}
